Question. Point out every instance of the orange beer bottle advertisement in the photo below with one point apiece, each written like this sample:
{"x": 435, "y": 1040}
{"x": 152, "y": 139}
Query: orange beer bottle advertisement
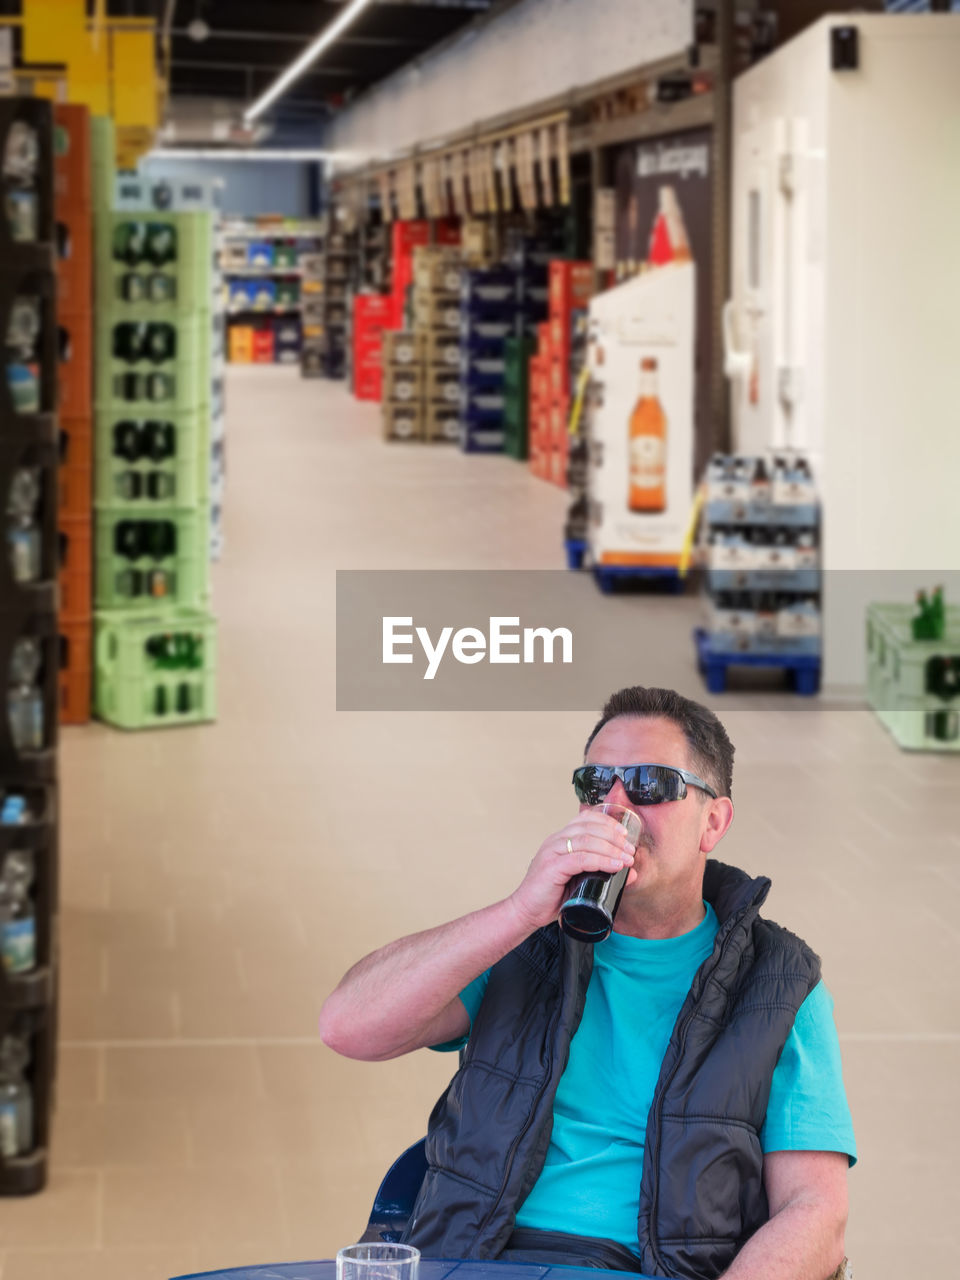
{"x": 648, "y": 445}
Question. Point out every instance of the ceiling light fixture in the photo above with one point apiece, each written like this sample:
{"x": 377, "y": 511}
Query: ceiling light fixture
{"x": 309, "y": 56}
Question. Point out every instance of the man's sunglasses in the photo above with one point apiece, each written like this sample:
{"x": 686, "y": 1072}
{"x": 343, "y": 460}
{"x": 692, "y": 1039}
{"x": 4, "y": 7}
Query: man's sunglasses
{"x": 643, "y": 783}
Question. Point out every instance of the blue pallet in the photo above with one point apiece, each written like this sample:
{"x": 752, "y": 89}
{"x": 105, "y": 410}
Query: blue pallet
{"x": 803, "y": 668}
{"x": 608, "y": 576}
{"x": 576, "y": 549}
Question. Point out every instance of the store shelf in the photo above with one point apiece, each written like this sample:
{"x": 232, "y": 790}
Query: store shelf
{"x": 293, "y": 309}
{"x": 261, "y": 271}
{"x": 251, "y": 233}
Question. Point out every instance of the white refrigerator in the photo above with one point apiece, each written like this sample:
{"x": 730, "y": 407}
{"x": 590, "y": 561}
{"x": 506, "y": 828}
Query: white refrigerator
{"x": 842, "y": 335}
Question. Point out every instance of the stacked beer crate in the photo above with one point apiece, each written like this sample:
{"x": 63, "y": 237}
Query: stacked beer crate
{"x": 403, "y": 382}
{"x": 406, "y": 237}
{"x": 571, "y": 288}
{"x": 538, "y": 418}
{"x": 155, "y": 659}
{"x": 497, "y": 304}
{"x": 73, "y": 206}
{"x": 29, "y": 645}
{"x": 436, "y": 308}
{"x": 313, "y": 351}
{"x": 761, "y": 535}
{"x": 516, "y": 383}
{"x": 373, "y": 313}
{"x": 340, "y": 253}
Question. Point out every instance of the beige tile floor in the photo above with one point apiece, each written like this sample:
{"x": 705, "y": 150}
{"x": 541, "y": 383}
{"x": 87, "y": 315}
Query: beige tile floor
{"x": 200, "y": 1122}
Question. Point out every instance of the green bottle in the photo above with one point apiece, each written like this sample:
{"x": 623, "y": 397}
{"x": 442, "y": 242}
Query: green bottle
{"x": 920, "y": 625}
{"x": 938, "y": 615}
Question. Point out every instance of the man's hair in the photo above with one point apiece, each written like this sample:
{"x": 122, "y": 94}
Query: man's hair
{"x": 710, "y": 747}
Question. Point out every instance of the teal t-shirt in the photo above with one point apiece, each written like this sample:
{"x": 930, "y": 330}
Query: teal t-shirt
{"x": 590, "y": 1179}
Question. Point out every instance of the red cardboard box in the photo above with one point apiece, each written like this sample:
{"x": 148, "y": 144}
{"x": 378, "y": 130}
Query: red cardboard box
{"x": 559, "y": 377}
{"x": 368, "y": 349}
{"x": 446, "y": 231}
{"x": 571, "y": 286}
{"x": 368, "y": 383}
{"x": 406, "y": 235}
{"x": 559, "y": 416}
{"x": 372, "y": 311}
{"x": 263, "y": 346}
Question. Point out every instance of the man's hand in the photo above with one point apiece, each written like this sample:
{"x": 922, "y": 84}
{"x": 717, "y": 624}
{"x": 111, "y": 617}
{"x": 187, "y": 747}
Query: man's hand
{"x": 405, "y": 995}
{"x": 597, "y": 842}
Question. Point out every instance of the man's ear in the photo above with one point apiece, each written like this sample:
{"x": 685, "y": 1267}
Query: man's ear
{"x": 718, "y": 816}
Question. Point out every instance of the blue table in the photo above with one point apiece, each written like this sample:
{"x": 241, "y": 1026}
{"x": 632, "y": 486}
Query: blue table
{"x": 430, "y": 1269}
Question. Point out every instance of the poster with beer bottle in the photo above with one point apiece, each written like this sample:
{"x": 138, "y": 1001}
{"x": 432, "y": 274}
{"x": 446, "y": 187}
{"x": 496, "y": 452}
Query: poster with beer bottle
{"x": 640, "y": 478}
{"x": 664, "y": 217}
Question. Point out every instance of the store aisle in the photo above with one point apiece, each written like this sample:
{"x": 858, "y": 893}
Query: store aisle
{"x": 200, "y": 1122}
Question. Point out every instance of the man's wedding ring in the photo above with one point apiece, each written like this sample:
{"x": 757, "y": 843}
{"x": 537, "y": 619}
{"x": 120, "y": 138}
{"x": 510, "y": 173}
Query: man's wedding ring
{"x": 569, "y": 845}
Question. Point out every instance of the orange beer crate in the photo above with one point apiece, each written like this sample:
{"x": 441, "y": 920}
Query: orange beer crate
{"x": 76, "y": 569}
{"x": 76, "y": 670}
{"x": 75, "y": 481}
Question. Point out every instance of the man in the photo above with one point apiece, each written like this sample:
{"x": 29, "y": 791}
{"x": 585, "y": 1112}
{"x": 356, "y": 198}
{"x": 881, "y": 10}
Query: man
{"x": 668, "y": 1101}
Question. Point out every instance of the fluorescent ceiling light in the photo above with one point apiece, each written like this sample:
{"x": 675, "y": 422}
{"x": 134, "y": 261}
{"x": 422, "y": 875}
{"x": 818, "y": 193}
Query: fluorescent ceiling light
{"x": 309, "y": 55}
{"x": 234, "y": 153}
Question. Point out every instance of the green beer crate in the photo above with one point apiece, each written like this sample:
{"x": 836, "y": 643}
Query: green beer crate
{"x": 516, "y": 371}
{"x": 144, "y": 559}
{"x": 515, "y": 424}
{"x": 154, "y": 265}
{"x": 152, "y": 461}
{"x": 914, "y": 685}
{"x": 153, "y": 365}
{"x": 154, "y": 670}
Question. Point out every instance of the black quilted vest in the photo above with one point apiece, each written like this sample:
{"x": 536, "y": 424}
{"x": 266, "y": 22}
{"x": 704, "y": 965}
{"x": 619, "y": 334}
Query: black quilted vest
{"x": 701, "y": 1194}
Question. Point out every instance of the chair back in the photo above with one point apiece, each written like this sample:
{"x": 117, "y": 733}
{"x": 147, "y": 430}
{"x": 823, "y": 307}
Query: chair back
{"x": 394, "y": 1201}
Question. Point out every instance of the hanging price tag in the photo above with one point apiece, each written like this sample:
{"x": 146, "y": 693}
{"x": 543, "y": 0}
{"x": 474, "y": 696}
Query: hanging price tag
{"x": 526, "y": 176}
{"x": 563, "y": 160}
{"x": 406, "y": 192}
{"x": 386, "y": 196}
{"x": 456, "y": 183}
{"x": 503, "y": 163}
{"x": 546, "y": 170}
{"x": 430, "y": 186}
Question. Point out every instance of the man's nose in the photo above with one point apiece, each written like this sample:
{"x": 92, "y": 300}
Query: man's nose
{"x": 618, "y": 795}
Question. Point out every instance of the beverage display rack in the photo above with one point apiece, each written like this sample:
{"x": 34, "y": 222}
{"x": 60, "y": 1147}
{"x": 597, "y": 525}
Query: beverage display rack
{"x": 760, "y": 543}
{"x": 263, "y": 268}
{"x": 29, "y": 644}
{"x": 913, "y": 671}
{"x": 158, "y": 450}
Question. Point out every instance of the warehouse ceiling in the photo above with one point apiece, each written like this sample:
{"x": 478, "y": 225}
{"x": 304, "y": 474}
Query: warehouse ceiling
{"x": 234, "y": 49}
